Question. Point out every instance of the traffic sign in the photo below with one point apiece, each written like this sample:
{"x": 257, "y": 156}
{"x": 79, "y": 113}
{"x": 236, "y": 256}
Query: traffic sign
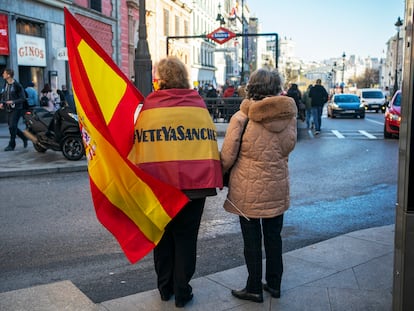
{"x": 221, "y": 35}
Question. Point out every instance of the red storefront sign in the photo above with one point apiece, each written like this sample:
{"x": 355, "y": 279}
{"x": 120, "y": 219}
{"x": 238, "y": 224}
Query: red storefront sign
{"x": 4, "y": 35}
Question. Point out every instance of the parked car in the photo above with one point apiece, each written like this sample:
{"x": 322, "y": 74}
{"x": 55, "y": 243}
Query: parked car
{"x": 346, "y": 105}
{"x": 373, "y": 99}
{"x": 392, "y": 116}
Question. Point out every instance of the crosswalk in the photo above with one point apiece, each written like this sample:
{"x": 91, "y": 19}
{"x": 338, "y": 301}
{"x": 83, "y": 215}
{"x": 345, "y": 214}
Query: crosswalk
{"x": 346, "y": 134}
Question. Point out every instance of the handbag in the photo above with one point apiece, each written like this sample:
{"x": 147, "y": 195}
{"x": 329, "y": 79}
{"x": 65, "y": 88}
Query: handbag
{"x": 226, "y": 175}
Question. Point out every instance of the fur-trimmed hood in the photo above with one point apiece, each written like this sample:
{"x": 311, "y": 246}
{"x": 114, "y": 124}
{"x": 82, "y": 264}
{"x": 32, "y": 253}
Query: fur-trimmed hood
{"x": 273, "y": 112}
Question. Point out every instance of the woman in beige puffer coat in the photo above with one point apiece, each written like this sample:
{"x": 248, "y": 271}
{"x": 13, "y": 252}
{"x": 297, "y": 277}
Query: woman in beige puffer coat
{"x": 259, "y": 180}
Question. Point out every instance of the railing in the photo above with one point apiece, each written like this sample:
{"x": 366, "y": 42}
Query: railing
{"x": 222, "y": 109}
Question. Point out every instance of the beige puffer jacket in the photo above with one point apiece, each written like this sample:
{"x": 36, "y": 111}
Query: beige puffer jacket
{"x": 259, "y": 180}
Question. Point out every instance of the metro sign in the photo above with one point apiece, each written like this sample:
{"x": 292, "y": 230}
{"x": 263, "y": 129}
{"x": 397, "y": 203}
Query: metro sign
{"x": 221, "y": 35}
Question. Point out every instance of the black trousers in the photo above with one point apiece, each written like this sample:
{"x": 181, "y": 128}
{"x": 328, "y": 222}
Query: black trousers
{"x": 252, "y": 236}
{"x": 175, "y": 255}
{"x": 12, "y": 120}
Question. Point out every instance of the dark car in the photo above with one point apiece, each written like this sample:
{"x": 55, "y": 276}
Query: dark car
{"x": 346, "y": 105}
{"x": 392, "y": 115}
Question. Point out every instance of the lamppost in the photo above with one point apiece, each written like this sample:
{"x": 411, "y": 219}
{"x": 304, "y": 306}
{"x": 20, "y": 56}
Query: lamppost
{"x": 142, "y": 62}
{"x": 343, "y": 72}
{"x": 398, "y": 24}
{"x": 220, "y": 18}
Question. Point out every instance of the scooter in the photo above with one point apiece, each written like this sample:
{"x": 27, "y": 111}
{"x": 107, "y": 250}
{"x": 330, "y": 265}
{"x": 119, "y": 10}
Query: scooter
{"x": 57, "y": 130}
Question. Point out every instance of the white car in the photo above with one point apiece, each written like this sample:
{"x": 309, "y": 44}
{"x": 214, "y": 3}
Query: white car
{"x": 373, "y": 99}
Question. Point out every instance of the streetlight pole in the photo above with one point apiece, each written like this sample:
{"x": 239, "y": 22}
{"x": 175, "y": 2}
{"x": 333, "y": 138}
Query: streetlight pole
{"x": 398, "y": 24}
{"x": 343, "y": 72}
{"x": 142, "y": 62}
{"x": 243, "y": 46}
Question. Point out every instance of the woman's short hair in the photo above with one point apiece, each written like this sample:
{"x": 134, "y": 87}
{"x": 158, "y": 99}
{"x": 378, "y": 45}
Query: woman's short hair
{"x": 263, "y": 83}
{"x": 172, "y": 74}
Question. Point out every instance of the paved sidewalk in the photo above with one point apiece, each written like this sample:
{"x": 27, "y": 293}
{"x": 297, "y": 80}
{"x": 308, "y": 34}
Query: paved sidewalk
{"x": 349, "y": 272}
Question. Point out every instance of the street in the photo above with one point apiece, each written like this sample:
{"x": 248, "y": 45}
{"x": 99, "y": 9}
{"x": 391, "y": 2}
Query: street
{"x": 49, "y": 231}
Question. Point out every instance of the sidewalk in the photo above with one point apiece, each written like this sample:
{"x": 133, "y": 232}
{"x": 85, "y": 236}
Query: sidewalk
{"x": 349, "y": 272}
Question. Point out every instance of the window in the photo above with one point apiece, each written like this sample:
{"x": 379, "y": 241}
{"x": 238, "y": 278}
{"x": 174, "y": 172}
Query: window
{"x": 96, "y": 5}
{"x": 30, "y": 28}
{"x": 166, "y": 22}
{"x": 177, "y": 25}
{"x": 186, "y": 30}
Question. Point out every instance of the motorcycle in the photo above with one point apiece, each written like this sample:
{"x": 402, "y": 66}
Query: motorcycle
{"x": 57, "y": 130}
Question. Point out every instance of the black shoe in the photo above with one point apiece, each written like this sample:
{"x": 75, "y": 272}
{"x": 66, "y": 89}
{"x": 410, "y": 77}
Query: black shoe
{"x": 9, "y": 148}
{"x": 166, "y": 296}
{"x": 245, "y": 295}
{"x": 275, "y": 293}
{"x": 25, "y": 143}
{"x": 180, "y": 303}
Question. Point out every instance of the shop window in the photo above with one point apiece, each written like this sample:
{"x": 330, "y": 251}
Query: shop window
{"x": 96, "y": 5}
{"x": 30, "y": 28}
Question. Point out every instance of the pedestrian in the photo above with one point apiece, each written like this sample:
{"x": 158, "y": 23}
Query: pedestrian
{"x": 48, "y": 98}
{"x": 183, "y": 153}
{"x": 296, "y": 94}
{"x": 308, "y": 104}
{"x": 259, "y": 181}
{"x": 32, "y": 95}
{"x": 68, "y": 98}
{"x": 319, "y": 96}
{"x": 13, "y": 98}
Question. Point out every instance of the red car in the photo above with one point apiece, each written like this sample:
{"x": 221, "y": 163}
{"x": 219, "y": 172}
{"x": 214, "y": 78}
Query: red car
{"x": 393, "y": 116}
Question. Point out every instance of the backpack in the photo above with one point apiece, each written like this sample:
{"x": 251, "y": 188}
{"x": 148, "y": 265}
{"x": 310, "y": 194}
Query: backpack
{"x": 44, "y": 101}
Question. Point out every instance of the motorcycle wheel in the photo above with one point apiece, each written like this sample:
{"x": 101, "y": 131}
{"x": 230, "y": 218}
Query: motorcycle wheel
{"x": 72, "y": 148}
{"x": 39, "y": 148}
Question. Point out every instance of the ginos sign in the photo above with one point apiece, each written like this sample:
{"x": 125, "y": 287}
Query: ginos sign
{"x": 31, "y": 51}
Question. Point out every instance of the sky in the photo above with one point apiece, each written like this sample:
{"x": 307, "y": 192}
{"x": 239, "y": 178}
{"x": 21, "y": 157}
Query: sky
{"x": 325, "y": 29}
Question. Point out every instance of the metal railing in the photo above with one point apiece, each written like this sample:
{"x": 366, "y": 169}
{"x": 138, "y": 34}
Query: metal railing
{"x": 222, "y": 109}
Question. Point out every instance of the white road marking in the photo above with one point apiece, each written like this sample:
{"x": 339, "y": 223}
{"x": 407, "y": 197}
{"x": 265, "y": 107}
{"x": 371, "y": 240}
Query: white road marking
{"x": 338, "y": 134}
{"x": 365, "y": 133}
{"x": 374, "y": 121}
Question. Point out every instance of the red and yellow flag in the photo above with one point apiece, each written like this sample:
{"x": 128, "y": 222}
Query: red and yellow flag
{"x": 132, "y": 205}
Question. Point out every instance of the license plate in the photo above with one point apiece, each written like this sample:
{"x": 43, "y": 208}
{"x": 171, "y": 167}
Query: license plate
{"x": 375, "y": 106}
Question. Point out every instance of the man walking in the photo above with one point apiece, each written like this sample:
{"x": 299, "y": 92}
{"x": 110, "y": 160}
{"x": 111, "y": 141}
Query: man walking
{"x": 12, "y": 98}
{"x": 319, "y": 96}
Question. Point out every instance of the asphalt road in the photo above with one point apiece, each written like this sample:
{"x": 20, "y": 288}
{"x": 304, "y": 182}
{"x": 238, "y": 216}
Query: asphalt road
{"x": 49, "y": 232}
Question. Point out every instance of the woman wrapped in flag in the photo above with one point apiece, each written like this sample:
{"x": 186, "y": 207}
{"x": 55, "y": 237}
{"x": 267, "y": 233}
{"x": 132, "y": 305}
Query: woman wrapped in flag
{"x": 176, "y": 142}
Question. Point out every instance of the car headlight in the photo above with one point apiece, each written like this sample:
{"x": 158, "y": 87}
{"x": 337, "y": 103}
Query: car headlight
{"x": 335, "y": 106}
{"x": 394, "y": 117}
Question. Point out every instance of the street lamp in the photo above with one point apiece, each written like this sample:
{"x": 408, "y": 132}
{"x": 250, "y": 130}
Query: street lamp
{"x": 142, "y": 62}
{"x": 220, "y": 18}
{"x": 343, "y": 72}
{"x": 398, "y": 24}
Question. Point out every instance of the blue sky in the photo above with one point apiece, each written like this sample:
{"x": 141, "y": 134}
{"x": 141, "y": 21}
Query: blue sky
{"x": 326, "y": 28}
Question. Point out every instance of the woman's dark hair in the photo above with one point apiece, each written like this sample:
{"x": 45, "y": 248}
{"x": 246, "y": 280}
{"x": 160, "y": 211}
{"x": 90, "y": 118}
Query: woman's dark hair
{"x": 46, "y": 89}
{"x": 263, "y": 83}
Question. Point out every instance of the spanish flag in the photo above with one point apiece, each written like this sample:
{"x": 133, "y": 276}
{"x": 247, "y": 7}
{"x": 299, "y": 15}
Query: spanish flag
{"x": 134, "y": 206}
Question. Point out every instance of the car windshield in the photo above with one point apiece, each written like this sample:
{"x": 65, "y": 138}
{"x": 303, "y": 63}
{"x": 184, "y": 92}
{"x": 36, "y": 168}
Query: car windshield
{"x": 373, "y": 94}
{"x": 397, "y": 101}
{"x": 346, "y": 99}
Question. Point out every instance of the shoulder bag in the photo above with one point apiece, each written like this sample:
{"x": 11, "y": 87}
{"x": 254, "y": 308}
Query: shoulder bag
{"x": 226, "y": 176}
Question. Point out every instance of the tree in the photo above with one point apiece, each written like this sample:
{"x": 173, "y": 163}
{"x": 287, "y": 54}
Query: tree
{"x": 369, "y": 79}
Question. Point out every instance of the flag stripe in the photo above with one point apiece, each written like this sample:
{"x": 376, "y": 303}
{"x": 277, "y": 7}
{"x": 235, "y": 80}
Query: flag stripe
{"x": 129, "y": 237}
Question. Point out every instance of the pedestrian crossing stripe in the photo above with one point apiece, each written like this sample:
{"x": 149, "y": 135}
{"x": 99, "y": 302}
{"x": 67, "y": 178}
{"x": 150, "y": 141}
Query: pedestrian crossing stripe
{"x": 367, "y": 134}
{"x": 347, "y": 134}
{"x": 338, "y": 134}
